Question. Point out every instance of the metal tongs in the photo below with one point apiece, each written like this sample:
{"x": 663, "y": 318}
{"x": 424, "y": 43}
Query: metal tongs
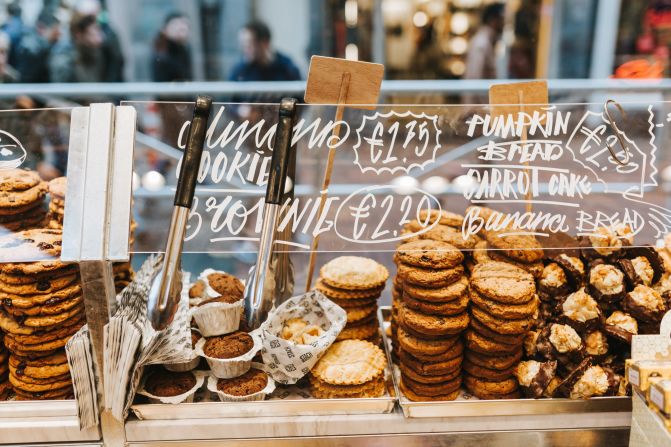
{"x": 260, "y": 288}
{"x": 166, "y": 288}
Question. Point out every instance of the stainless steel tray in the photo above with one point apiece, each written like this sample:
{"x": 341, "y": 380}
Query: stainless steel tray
{"x": 471, "y": 406}
{"x": 275, "y": 406}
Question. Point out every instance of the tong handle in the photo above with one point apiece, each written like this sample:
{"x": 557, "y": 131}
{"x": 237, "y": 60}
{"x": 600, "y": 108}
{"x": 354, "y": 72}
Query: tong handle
{"x": 281, "y": 152}
{"x": 188, "y": 173}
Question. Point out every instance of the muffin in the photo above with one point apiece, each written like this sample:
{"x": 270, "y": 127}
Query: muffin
{"x": 219, "y": 315}
{"x": 191, "y": 364}
{"x": 253, "y": 385}
{"x": 164, "y": 386}
{"x": 228, "y": 346}
{"x": 229, "y": 355}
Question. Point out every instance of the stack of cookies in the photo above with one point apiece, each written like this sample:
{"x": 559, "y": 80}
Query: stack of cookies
{"x": 431, "y": 316}
{"x": 503, "y": 308}
{"x": 5, "y": 387}
{"x": 21, "y": 199}
{"x": 355, "y": 284}
{"x": 349, "y": 369}
{"x": 42, "y": 307}
{"x": 57, "y": 189}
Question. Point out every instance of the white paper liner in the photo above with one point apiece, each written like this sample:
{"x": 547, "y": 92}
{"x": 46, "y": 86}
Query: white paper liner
{"x": 183, "y": 366}
{"x": 261, "y": 395}
{"x": 286, "y": 361}
{"x": 234, "y": 367}
{"x": 218, "y": 318}
{"x": 180, "y": 398}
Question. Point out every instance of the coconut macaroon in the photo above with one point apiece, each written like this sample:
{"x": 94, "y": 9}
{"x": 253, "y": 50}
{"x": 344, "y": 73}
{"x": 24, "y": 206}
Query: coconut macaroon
{"x": 596, "y": 344}
{"x": 621, "y": 326}
{"x": 553, "y": 282}
{"x": 606, "y": 283}
{"x": 608, "y": 241}
{"x": 534, "y": 377}
{"x": 580, "y": 311}
{"x": 645, "y": 304}
{"x": 593, "y": 382}
{"x": 562, "y": 343}
{"x": 573, "y": 267}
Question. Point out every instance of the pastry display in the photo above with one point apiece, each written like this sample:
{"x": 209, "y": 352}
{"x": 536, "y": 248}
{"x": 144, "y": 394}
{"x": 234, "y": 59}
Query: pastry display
{"x": 22, "y": 194}
{"x": 355, "y": 283}
{"x": 349, "y": 369}
{"x": 42, "y": 307}
{"x": 510, "y": 318}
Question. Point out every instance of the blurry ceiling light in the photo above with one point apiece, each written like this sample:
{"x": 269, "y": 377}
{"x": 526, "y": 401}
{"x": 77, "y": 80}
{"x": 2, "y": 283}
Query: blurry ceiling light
{"x": 458, "y": 45}
{"x": 457, "y": 67}
{"x": 466, "y": 3}
{"x": 153, "y": 181}
{"x": 352, "y": 52}
{"x": 666, "y": 174}
{"x": 435, "y": 184}
{"x": 405, "y": 185}
{"x": 436, "y": 8}
{"x": 395, "y": 11}
{"x": 420, "y": 19}
{"x": 351, "y": 13}
{"x": 464, "y": 183}
{"x": 459, "y": 23}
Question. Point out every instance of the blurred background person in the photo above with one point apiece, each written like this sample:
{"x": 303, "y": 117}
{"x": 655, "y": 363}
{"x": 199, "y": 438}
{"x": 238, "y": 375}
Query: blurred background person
{"x": 111, "y": 47}
{"x": 171, "y": 59}
{"x": 260, "y": 62}
{"x": 36, "y": 49}
{"x": 481, "y": 56}
{"x": 7, "y": 73}
{"x": 15, "y": 28}
{"x": 81, "y": 59}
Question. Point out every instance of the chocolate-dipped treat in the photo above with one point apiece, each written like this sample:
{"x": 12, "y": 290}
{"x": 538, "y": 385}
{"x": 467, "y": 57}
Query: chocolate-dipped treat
{"x": 621, "y": 326}
{"x": 596, "y": 345}
{"x": 534, "y": 377}
{"x": 594, "y": 381}
{"x": 574, "y": 269}
{"x": 607, "y": 242}
{"x": 606, "y": 283}
{"x": 553, "y": 282}
{"x": 645, "y": 304}
{"x": 562, "y": 343}
{"x": 648, "y": 264}
{"x": 580, "y": 311}
{"x": 564, "y": 388}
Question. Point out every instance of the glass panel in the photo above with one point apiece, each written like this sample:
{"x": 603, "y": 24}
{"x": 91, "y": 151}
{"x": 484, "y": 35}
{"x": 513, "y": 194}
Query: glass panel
{"x": 33, "y": 161}
{"x": 550, "y": 171}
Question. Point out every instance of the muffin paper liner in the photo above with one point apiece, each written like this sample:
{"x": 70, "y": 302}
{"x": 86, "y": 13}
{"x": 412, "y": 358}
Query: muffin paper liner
{"x": 286, "y": 361}
{"x": 229, "y": 368}
{"x": 261, "y": 395}
{"x": 183, "y": 366}
{"x": 180, "y": 398}
{"x": 218, "y": 318}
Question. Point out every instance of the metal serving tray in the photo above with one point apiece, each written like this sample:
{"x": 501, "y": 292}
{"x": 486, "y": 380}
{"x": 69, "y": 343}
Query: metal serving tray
{"x": 286, "y": 401}
{"x": 466, "y": 405}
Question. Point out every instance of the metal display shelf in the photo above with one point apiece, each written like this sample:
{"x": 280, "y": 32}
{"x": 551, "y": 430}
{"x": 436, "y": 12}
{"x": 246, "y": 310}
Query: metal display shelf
{"x": 53, "y": 422}
{"x": 597, "y": 429}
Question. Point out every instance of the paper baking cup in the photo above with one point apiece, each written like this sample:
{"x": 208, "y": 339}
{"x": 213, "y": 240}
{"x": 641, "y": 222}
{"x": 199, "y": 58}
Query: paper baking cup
{"x": 218, "y": 318}
{"x": 261, "y": 395}
{"x": 183, "y": 366}
{"x": 229, "y": 368}
{"x": 180, "y": 398}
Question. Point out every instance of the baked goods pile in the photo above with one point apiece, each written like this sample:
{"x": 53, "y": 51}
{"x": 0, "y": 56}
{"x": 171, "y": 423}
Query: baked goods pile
{"x": 5, "y": 386}
{"x": 300, "y": 331}
{"x": 355, "y": 284}
{"x": 57, "y": 190}
{"x": 349, "y": 369}
{"x": 430, "y": 303}
{"x": 22, "y": 194}
{"x": 553, "y": 322}
{"x": 42, "y": 307}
